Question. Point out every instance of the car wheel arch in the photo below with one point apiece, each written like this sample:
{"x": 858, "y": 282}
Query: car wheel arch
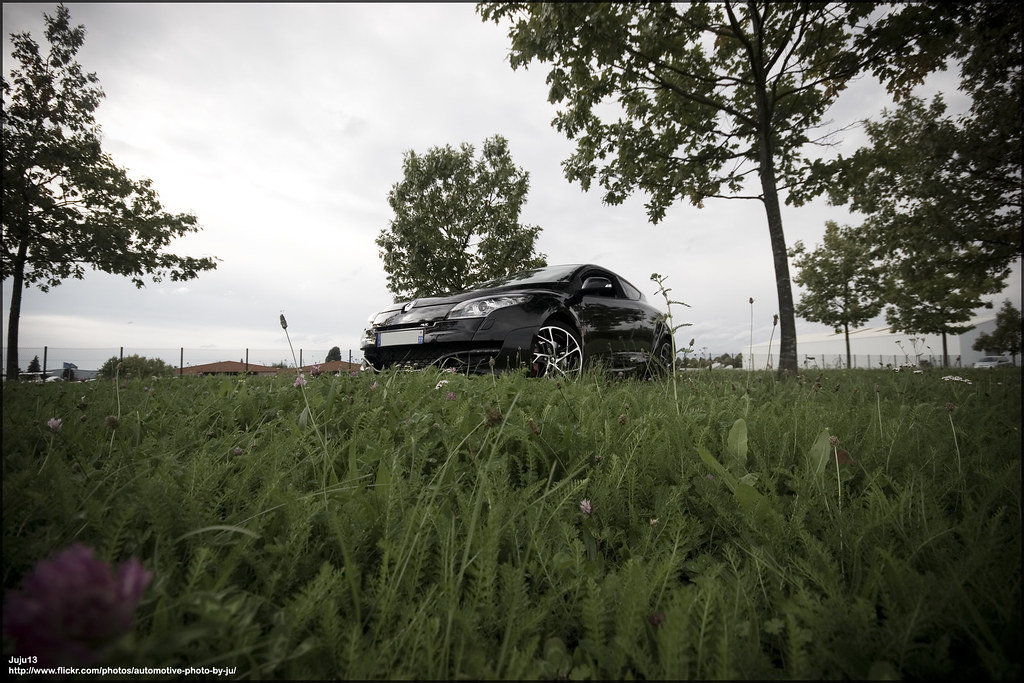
{"x": 568, "y": 322}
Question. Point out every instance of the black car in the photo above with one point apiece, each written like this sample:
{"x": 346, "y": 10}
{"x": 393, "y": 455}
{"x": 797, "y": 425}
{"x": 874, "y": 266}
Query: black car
{"x": 554, "y": 319}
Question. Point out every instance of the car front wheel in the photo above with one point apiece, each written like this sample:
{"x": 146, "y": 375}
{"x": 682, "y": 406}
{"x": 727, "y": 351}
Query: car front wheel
{"x": 664, "y": 354}
{"x": 556, "y": 353}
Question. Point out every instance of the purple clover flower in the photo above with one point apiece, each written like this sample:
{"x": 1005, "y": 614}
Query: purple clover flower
{"x": 71, "y": 605}
{"x": 54, "y": 423}
{"x": 300, "y": 381}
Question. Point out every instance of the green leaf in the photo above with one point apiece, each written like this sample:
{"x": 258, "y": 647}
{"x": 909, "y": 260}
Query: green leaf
{"x": 717, "y": 467}
{"x": 737, "y": 443}
{"x": 817, "y": 455}
{"x": 748, "y": 497}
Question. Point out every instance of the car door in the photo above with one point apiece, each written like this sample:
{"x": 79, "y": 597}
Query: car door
{"x": 613, "y": 325}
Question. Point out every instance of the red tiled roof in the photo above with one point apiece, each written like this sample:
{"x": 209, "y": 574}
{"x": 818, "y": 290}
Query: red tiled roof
{"x": 225, "y": 367}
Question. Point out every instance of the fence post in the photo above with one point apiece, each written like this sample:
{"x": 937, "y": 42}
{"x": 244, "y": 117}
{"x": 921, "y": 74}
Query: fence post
{"x": 45, "y": 349}
{"x": 181, "y": 361}
{"x": 247, "y": 361}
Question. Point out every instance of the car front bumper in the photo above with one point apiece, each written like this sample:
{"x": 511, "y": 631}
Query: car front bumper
{"x": 478, "y": 345}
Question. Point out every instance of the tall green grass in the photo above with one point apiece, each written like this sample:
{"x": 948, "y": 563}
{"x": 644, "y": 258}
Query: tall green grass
{"x": 429, "y": 525}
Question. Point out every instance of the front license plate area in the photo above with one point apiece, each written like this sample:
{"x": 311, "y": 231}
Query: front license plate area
{"x": 400, "y": 337}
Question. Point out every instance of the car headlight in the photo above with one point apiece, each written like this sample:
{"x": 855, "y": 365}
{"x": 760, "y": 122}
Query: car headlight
{"x": 481, "y": 308}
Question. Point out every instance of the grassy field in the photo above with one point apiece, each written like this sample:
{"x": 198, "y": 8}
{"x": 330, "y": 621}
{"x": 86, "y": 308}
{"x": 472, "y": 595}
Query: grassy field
{"x": 851, "y": 524}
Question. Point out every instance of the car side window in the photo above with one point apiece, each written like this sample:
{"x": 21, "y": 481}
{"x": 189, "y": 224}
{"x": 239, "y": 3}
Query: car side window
{"x": 630, "y": 291}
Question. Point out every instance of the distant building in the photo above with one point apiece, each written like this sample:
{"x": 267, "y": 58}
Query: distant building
{"x": 229, "y": 367}
{"x": 876, "y": 347}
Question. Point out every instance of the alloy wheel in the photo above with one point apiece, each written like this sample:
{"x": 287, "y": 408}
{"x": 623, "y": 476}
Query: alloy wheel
{"x": 556, "y": 353}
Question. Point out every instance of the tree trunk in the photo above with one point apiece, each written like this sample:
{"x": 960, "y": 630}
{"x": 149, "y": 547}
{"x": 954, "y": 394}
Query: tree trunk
{"x": 846, "y": 329}
{"x": 770, "y": 197}
{"x": 787, "y": 310}
{"x": 17, "y": 284}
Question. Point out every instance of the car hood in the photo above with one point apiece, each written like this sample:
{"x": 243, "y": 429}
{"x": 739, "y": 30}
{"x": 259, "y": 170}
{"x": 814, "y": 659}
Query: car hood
{"x": 452, "y": 299}
{"x": 431, "y": 308}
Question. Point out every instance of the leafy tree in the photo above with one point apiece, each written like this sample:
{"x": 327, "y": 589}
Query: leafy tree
{"x": 922, "y": 191}
{"x": 941, "y": 240}
{"x": 333, "y": 354}
{"x": 1005, "y": 338}
{"x": 65, "y": 204}
{"x": 457, "y": 221}
{"x": 698, "y": 100}
{"x": 943, "y": 194}
{"x": 134, "y": 366}
{"x": 930, "y": 294}
{"x": 842, "y": 281}
{"x": 34, "y": 366}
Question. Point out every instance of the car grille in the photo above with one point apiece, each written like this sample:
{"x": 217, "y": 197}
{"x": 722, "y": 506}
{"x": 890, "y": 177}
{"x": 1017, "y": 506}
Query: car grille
{"x": 465, "y": 357}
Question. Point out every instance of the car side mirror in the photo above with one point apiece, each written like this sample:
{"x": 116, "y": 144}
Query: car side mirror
{"x": 596, "y": 286}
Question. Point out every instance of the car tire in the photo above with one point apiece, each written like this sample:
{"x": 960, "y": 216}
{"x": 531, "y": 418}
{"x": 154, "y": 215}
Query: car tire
{"x": 659, "y": 364}
{"x": 557, "y": 352}
{"x": 663, "y": 354}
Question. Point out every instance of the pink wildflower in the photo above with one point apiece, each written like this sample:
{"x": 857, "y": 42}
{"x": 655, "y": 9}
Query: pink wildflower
{"x": 72, "y": 605}
{"x": 586, "y": 507}
{"x": 300, "y": 381}
{"x": 54, "y": 423}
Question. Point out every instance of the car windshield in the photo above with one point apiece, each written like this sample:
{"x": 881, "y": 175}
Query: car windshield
{"x": 534, "y": 276}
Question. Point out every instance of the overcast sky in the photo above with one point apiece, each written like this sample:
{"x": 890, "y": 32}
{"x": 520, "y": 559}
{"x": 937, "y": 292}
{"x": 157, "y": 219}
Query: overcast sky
{"x": 283, "y": 127}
